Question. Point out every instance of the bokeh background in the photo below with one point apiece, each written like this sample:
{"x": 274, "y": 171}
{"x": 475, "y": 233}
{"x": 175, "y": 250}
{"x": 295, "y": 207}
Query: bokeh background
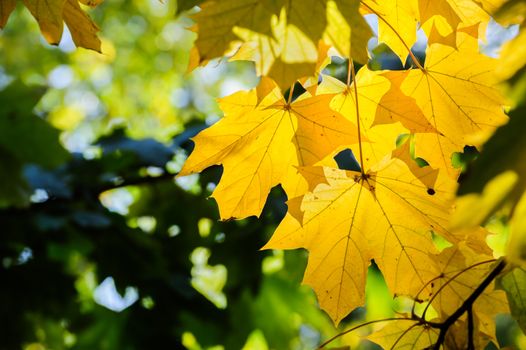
{"x": 100, "y": 246}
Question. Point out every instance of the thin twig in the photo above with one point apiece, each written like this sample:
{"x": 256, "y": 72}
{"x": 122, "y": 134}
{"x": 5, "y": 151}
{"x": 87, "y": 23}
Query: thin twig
{"x": 471, "y": 327}
{"x": 327, "y": 342}
{"x": 353, "y": 76}
{"x": 468, "y": 303}
{"x": 291, "y": 92}
{"x": 452, "y": 279}
{"x": 467, "y": 306}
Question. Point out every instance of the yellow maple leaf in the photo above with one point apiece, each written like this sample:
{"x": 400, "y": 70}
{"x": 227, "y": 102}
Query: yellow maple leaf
{"x": 83, "y": 30}
{"x": 461, "y": 272}
{"x": 347, "y": 30}
{"x": 457, "y": 336}
{"x": 380, "y": 122}
{"x": 397, "y": 23}
{"x": 51, "y": 15}
{"x": 456, "y": 93}
{"x": 442, "y": 19}
{"x": 405, "y": 334}
{"x": 513, "y": 54}
{"x": 350, "y": 218}
{"x": 261, "y": 144}
{"x": 439, "y": 20}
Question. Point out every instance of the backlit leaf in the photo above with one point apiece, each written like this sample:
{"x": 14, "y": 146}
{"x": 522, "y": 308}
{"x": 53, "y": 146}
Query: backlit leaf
{"x": 404, "y": 334}
{"x": 280, "y": 37}
{"x": 350, "y": 218}
{"x": 51, "y": 15}
{"x": 260, "y": 146}
{"x": 456, "y": 93}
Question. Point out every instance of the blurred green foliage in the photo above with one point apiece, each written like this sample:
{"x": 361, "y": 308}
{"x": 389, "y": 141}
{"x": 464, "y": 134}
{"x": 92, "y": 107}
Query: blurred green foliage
{"x": 88, "y": 199}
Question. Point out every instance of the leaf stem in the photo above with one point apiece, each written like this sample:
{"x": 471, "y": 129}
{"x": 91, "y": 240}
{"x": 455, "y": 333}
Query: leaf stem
{"x": 341, "y": 334}
{"x": 452, "y": 279}
{"x": 471, "y": 344}
{"x": 413, "y": 57}
{"x": 349, "y": 79}
{"x": 403, "y": 335}
{"x": 466, "y": 307}
{"x": 291, "y": 92}
{"x": 353, "y": 76}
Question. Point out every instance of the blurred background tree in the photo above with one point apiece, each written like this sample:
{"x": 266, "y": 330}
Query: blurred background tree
{"x": 101, "y": 247}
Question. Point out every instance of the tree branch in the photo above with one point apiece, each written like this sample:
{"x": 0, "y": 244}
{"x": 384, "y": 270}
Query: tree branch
{"x": 468, "y": 303}
{"x": 471, "y": 326}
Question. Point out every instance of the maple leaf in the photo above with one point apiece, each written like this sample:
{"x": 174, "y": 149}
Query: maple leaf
{"x": 259, "y": 145}
{"x": 397, "y": 23}
{"x": 439, "y": 20}
{"x": 380, "y": 102}
{"x": 456, "y": 93}
{"x": 461, "y": 271}
{"x": 280, "y": 37}
{"x": 442, "y": 19}
{"x": 351, "y": 218}
{"x": 347, "y": 30}
{"x": 345, "y": 219}
{"x": 457, "y": 336}
{"x": 51, "y": 15}
{"x": 83, "y": 30}
{"x": 513, "y": 53}
{"x": 406, "y": 334}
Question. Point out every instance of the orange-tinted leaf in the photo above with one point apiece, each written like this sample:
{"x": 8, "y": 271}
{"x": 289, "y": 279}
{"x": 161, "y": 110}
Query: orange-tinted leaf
{"x": 83, "y": 30}
{"x": 6, "y": 7}
{"x": 49, "y": 17}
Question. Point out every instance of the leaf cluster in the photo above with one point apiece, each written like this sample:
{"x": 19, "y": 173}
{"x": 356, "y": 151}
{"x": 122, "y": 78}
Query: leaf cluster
{"x": 403, "y": 128}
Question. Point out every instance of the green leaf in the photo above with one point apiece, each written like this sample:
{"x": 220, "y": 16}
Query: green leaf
{"x": 514, "y": 284}
{"x": 503, "y": 155}
{"x": 27, "y": 137}
{"x": 13, "y": 189}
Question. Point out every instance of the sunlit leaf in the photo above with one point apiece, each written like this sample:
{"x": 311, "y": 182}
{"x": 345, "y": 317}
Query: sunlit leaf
{"x": 260, "y": 146}
{"x": 350, "y": 218}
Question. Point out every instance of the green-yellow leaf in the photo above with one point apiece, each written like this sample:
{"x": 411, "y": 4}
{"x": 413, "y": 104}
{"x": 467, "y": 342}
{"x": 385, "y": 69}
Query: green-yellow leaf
{"x": 514, "y": 283}
{"x": 497, "y": 176}
{"x": 280, "y": 37}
